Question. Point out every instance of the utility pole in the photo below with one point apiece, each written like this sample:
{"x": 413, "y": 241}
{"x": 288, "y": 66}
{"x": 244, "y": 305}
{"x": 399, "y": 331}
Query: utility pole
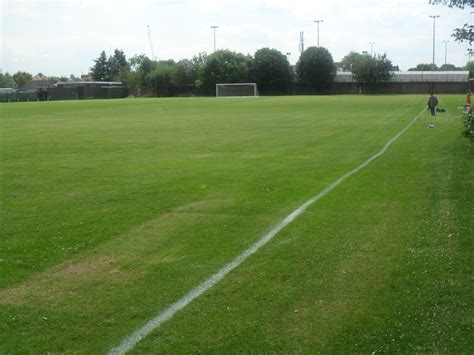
{"x": 151, "y": 43}
{"x": 371, "y": 48}
{"x": 445, "y": 52}
{"x": 301, "y": 42}
{"x": 318, "y": 22}
{"x": 434, "y": 17}
{"x": 214, "y": 28}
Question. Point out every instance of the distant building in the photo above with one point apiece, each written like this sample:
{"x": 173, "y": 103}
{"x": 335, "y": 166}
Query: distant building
{"x": 87, "y": 77}
{"x": 39, "y": 77}
{"x": 343, "y": 66}
{"x": 89, "y": 84}
{"x": 36, "y": 85}
{"x": 415, "y": 77}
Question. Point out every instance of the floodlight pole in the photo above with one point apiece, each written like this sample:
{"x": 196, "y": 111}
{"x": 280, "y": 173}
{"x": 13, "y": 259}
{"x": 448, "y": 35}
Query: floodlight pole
{"x": 214, "y": 28}
{"x": 434, "y": 17}
{"x": 445, "y": 52}
{"x": 371, "y": 48}
{"x": 318, "y": 22}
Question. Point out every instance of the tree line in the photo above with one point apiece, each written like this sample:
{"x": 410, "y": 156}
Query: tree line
{"x": 269, "y": 68}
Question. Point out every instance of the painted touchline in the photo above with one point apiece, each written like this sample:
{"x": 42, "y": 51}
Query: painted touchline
{"x": 132, "y": 340}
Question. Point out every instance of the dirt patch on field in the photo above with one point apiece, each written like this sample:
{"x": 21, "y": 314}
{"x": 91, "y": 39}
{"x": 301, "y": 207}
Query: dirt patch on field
{"x": 159, "y": 242}
{"x": 64, "y": 279}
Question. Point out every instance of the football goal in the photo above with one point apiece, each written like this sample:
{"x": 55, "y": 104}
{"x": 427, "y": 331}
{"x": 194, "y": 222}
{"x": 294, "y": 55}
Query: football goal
{"x": 237, "y": 90}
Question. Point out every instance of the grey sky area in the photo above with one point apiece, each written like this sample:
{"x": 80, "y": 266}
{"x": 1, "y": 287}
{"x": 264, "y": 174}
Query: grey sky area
{"x": 62, "y": 37}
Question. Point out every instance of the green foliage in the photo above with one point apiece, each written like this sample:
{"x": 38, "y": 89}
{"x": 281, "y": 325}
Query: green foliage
{"x": 101, "y": 69}
{"x": 372, "y": 70}
{"x": 461, "y": 4}
{"x": 117, "y": 64}
{"x": 316, "y": 67}
{"x": 225, "y": 66}
{"x": 470, "y": 67}
{"x": 21, "y": 78}
{"x": 450, "y": 67}
{"x": 434, "y": 67}
{"x": 163, "y": 74}
{"x": 468, "y": 122}
{"x": 7, "y": 81}
{"x": 353, "y": 58}
{"x": 466, "y": 32}
{"x": 110, "y": 69}
{"x": 272, "y": 69}
{"x": 185, "y": 72}
{"x": 425, "y": 67}
{"x": 53, "y": 79}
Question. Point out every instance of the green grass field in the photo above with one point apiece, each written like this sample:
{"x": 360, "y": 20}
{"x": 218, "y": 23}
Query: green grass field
{"x": 112, "y": 210}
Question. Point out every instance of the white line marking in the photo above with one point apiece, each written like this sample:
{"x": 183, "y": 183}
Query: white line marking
{"x": 132, "y": 340}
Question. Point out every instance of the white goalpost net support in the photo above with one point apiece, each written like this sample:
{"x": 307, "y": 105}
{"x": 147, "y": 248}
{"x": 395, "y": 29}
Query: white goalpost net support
{"x": 237, "y": 90}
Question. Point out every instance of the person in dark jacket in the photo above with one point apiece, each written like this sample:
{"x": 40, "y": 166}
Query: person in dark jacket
{"x": 432, "y": 103}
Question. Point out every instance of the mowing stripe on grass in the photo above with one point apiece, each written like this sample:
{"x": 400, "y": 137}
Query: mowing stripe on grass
{"x": 132, "y": 340}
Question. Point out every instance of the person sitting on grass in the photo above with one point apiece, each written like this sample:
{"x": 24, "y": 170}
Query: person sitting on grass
{"x": 432, "y": 103}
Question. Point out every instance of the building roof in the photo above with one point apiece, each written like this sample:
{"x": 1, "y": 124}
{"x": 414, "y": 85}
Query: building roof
{"x": 36, "y": 85}
{"x": 415, "y": 77}
{"x": 89, "y": 83}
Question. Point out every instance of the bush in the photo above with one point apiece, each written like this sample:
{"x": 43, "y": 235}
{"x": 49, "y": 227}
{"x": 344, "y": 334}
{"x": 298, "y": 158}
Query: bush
{"x": 468, "y": 131}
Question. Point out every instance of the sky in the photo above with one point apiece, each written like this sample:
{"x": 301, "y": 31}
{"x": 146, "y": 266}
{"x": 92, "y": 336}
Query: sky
{"x": 63, "y": 37}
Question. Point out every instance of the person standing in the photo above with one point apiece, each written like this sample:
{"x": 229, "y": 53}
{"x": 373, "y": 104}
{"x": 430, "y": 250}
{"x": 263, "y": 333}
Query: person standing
{"x": 432, "y": 103}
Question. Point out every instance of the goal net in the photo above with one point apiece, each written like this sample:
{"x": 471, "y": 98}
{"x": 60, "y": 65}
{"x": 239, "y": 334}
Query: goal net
{"x": 236, "y": 90}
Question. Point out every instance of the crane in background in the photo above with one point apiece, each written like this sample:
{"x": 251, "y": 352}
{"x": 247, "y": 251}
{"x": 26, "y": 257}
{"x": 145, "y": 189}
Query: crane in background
{"x": 151, "y": 43}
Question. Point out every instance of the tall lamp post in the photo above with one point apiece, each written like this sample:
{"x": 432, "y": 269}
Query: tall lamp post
{"x": 434, "y": 17}
{"x": 371, "y": 48}
{"x": 318, "y": 22}
{"x": 445, "y": 52}
{"x": 214, "y": 28}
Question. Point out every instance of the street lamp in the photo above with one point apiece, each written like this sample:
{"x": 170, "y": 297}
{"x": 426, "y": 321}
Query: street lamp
{"x": 318, "y": 22}
{"x": 371, "y": 48}
{"x": 434, "y": 17}
{"x": 214, "y": 28}
{"x": 445, "y": 52}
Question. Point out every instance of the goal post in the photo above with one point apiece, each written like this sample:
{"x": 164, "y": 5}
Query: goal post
{"x": 236, "y": 90}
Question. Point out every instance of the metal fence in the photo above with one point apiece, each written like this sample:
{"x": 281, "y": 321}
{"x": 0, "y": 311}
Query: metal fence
{"x": 19, "y": 96}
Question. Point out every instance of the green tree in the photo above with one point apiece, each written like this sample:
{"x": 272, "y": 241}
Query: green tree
{"x": 53, "y": 79}
{"x": 449, "y": 67}
{"x": 101, "y": 69}
{"x": 373, "y": 70}
{"x": 21, "y": 78}
{"x": 163, "y": 74}
{"x": 425, "y": 67}
{"x": 316, "y": 67}
{"x": 470, "y": 67}
{"x": 187, "y": 72}
{"x": 117, "y": 63}
{"x": 225, "y": 66}
{"x": 353, "y": 58}
{"x": 6, "y": 81}
{"x": 272, "y": 69}
{"x": 72, "y": 77}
